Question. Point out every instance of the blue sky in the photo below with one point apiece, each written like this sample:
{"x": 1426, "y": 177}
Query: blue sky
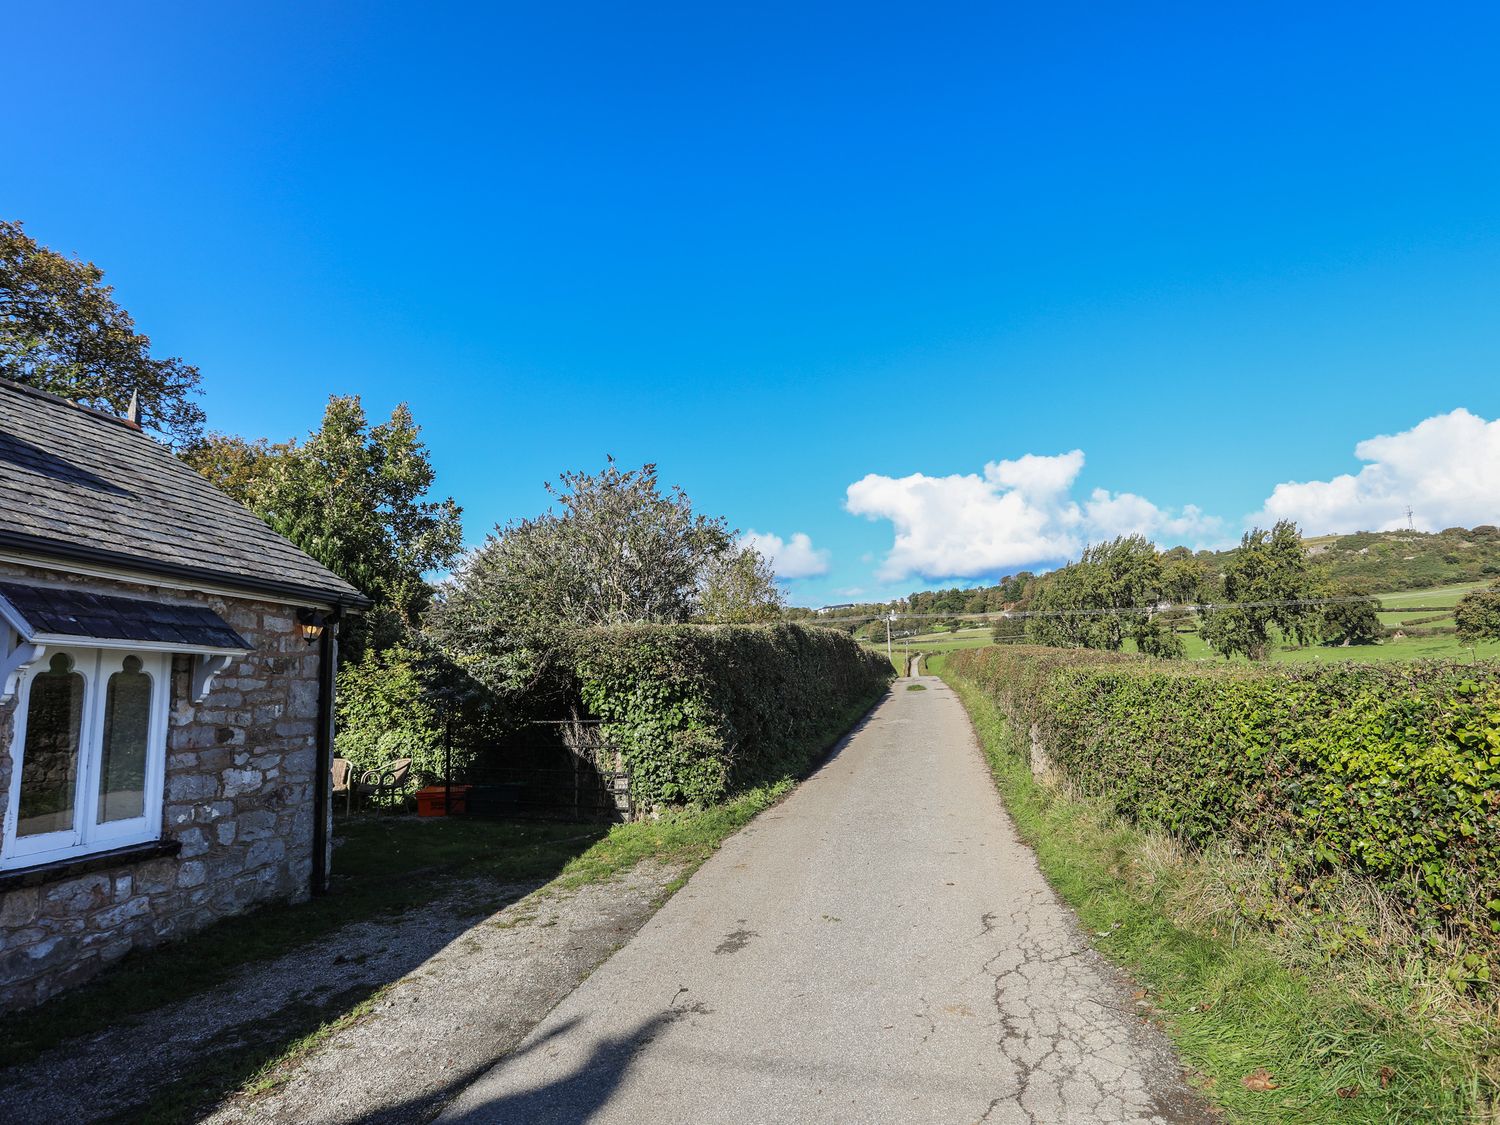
{"x": 782, "y": 249}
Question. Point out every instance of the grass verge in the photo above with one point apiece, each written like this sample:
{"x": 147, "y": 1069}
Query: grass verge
{"x": 690, "y": 836}
{"x": 1339, "y": 1046}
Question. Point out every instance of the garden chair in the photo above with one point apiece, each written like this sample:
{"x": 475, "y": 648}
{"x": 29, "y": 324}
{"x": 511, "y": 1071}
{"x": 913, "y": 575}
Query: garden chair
{"x": 343, "y": 782}
{"x": 387, "y": 779}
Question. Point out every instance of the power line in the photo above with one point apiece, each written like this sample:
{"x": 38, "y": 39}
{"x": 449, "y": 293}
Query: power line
{"x": 1107, "y": 611}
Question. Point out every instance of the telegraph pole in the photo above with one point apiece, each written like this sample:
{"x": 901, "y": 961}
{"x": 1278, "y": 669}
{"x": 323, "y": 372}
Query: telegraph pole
{"x": 888, "y": 619}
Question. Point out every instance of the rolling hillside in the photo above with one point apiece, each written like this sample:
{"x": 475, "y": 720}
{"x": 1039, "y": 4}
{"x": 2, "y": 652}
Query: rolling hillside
{"x": 1410, "y": 560}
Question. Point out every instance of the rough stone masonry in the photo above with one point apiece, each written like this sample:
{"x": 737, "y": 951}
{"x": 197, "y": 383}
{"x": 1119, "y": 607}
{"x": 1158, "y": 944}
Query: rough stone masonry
{"x": 238, "y": 804}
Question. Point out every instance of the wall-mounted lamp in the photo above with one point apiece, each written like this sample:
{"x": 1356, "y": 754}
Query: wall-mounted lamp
{"x": 312, "y": 622}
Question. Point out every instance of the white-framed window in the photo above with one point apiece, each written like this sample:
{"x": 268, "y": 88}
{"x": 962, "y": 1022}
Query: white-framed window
{"x": 88, "y": 754}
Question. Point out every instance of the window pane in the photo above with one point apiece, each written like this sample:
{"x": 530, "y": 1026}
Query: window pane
{"x": 122, "y": 767}
{"x": 49, "y": 759}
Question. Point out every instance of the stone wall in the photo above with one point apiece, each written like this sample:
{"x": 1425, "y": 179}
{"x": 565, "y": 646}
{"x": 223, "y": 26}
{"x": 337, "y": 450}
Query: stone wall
{"x": 238, "y": 800}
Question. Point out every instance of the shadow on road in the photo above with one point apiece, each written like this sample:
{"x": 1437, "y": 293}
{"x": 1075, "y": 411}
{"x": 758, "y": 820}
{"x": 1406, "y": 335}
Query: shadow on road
{"x": 566, "y": 1100}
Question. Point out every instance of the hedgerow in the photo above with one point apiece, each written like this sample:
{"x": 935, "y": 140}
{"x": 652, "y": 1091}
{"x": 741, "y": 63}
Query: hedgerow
{"x": 701, "y": 712}
{"x": 1389, "y": 770}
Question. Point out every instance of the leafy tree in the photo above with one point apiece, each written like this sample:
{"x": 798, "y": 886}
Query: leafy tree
{"x": 739, "y": 588}
{"x": 1478, "y": 615}
{"x": 1349, "y": 617}
{"x": 61, "y": 331}
{"x": 232, "y": 464}
{"x": 615, "y": 550}
{"x": 1107, "y": 596}
{"x": 1008, "y": 628}
{"x": 1184, "y": 576}
{"x": 354, "y": 497}
{"x": 1266, "y": 578}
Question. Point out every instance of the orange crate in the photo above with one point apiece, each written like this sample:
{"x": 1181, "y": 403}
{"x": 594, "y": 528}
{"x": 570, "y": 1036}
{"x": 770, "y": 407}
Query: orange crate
{"x": 436, "y": 800}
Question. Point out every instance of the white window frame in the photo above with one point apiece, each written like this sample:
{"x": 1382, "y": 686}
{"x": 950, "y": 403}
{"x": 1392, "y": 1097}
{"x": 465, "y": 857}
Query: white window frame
{"x": 86, "y": 837}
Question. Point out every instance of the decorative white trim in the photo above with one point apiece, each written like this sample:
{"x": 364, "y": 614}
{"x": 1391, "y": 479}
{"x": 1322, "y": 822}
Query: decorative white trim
{"x": 206, "y": 669}
{"x": 14, "y": 665}
{"x": 136, "y": 646}
{"x": 87, "y": 834}
{"x": 11, "y": 616}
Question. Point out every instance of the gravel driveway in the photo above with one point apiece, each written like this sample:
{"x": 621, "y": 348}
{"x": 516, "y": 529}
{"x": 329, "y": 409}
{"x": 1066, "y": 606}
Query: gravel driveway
{"x": 460, "y": 989}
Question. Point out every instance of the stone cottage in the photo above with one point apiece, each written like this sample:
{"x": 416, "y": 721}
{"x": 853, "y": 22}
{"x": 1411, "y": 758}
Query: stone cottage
{"x": 166, "y": 692}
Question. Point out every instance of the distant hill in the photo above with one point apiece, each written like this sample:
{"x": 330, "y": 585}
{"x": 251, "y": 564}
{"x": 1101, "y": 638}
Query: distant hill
{"x": 1410, "y": 560}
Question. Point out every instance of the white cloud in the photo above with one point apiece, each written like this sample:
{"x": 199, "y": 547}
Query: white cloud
{"x": 1446, "y": 469}
{"x": 790, "y": 558}
{"x": 1015, "y": 514}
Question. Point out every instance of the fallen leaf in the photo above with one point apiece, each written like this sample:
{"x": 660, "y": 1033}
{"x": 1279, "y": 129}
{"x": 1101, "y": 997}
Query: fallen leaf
{"x": 1348, "y": 1091}
{"x": 1258, "y": 1079}
{"x": 1138, "y": 994}
{"x": 1386, "y": 1074}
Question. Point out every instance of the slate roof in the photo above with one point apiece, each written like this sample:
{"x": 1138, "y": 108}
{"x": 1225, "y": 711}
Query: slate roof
{"x": 79, "y": 613}
{"x": 79, "y": 484}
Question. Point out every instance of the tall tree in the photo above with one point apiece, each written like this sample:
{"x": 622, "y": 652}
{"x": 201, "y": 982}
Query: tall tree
{"x": 1109, "y": 595}
{"x": 1348, "y": 616}
{"x": 62, "y": 331}
{"x": 354, "y": 496}
{"x": 232, "y": 464}
{"x": 1267, "y": 583}
{"x": 614, "y": 549}
{"x": 1478, "y": 615}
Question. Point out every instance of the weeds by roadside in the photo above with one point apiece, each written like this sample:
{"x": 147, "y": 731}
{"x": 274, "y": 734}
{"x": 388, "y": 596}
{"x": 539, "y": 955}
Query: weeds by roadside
{"x": 1325, "y": 1013}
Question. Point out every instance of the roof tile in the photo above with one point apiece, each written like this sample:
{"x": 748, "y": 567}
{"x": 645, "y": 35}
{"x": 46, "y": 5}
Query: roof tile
{"x": 81, "y": 480}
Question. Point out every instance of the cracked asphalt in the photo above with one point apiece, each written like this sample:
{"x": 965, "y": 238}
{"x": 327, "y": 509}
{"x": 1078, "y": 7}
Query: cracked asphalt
{"x": 878, "y": 948}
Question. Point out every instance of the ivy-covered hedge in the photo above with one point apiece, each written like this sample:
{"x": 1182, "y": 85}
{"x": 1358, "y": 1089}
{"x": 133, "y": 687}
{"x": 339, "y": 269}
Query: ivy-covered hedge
{"x": 1389, "y": 769}
{"x": 700, "y": 712}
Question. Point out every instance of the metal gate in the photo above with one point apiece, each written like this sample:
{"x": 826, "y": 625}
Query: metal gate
{"x": 550, "y": 771}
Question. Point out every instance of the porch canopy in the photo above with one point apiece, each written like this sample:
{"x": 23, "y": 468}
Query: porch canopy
{"x": 45, "y": 615}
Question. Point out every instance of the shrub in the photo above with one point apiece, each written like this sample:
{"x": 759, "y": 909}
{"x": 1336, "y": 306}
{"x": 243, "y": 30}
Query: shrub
{"x": 1477, "y": 616}
{"x": 396, "y": 704}
{"x": 700, "y": 712}
{"x": 1389, "y": 770}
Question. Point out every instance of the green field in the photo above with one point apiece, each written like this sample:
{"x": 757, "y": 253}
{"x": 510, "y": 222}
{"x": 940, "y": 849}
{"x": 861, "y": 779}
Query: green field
{"x": 1444, "y": 646}
{"x": 1395, "y": 613}
{"x": 1396, "y": 610}
{"x": 934, "y": 643}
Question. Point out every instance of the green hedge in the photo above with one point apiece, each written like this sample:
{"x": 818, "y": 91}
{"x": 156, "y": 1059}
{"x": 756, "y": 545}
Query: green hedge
{"x": 1391, "y": 769}
{"x": 701, "y": 712}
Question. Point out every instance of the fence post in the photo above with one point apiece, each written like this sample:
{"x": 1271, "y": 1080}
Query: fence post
{"x": 448, "y": 763}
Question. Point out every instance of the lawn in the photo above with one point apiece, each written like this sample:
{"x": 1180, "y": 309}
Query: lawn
{"x": 1444, "y": 646}
{"x": 933, "y": 644}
